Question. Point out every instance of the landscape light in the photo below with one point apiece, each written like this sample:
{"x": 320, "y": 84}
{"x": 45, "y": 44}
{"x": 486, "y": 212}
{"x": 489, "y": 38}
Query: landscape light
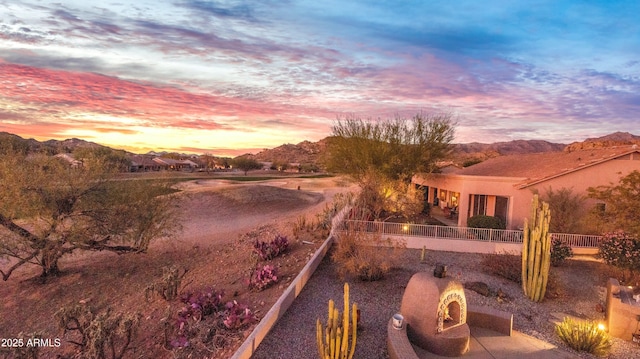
{"x": 601, "y": 327}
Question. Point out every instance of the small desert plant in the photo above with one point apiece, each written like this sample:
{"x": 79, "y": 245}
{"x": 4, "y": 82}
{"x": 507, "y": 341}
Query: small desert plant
{"x": 263, "y": 278}
{"x": 584, "y": 336}
{"x": 237, "y": 315}
{"x": 299, "y": 226}
{"x": 481, "y": 221}
{"x": 104, "y": 335}
{"x": 365, "y": 255}
{"x": 193, "y": 328}
{"x": 168, "y": 286}
{"x": 269, "y": 250}
{"x": 560, "y": 251}
{"x": 200, "y": 304}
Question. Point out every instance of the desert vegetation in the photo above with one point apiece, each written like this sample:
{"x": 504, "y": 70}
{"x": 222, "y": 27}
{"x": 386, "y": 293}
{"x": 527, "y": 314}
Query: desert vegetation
{"x": 50, "y": 210}
{"x": 382, "y": 156}
{"x": 193, "y": 276}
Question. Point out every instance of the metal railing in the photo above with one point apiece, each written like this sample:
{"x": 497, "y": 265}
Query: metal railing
{"x": 461, "y": 233}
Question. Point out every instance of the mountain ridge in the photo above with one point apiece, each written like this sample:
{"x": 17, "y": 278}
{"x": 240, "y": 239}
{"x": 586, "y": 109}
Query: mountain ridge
{"x": 312, "y": 152}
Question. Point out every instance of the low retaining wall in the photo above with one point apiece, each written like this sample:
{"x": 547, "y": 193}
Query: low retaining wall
{"x": 399, "y": 346}
{"x": 458, "y": 245}
{"x": 489, "y": 318}
{"x": 276, "y": 312}
{"x": 284, "y": 302}
{"x": 622, "y": 313}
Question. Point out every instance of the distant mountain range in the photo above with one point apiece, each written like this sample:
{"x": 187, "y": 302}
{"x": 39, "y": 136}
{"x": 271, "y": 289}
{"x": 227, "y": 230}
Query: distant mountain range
{"x": 312, "y": 152}
{"x": 614, "y": 139}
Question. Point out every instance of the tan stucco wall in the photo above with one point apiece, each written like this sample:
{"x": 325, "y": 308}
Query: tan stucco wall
{"x": 605, "y": 173}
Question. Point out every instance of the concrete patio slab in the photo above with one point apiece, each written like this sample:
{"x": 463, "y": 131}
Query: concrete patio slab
{"x": 488, "y": 344}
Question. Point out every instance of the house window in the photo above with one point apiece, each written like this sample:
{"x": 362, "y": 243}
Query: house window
{"x": 479, "y": 205}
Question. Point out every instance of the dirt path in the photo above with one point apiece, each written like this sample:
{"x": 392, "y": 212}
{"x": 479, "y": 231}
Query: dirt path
{"x": 218, "y": 211}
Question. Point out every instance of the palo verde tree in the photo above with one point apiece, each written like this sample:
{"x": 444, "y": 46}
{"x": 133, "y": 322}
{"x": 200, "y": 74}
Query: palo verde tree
{"x": 246, "y": 164}
{"x": 395, "y": 149}
{"x": 383, "y": 155}
{"x": 49, "y": 210}
{"x": 622, "y": 210}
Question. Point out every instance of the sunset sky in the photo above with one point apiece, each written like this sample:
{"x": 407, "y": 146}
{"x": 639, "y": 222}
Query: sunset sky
{"x": 229, "y": 77}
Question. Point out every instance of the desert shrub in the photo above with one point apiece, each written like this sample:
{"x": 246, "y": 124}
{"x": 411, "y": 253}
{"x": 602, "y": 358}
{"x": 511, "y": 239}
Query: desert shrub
{"x": 621, "y": 250}
{"x": 584, "y": 336}
{"x": 269, "y": 250}
{"x": 206, "y": 322}
{"x": 567, "y": 208}
{"x": 263, "y": 278}
{"x": 299, "y": 226}
{"x": 471, "y": 162}
{"x": 481, "y": 221}
{"x": 560, "y": 251}
{"x": 237, "y": 315}
{"x": 364, "y": 255}
{"x": 200, "y": 304}
{"x": 168, "y": 286}
{"x": 104, "y": 335}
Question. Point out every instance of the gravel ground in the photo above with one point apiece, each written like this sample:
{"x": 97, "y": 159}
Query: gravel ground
{"x": 294, "y": 335}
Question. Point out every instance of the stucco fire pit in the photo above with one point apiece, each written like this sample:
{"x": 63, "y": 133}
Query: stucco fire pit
{"x": 435, "y": 312}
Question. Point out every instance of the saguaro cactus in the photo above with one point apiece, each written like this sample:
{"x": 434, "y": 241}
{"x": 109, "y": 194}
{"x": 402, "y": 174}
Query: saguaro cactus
{"x": 536, "y": 251}
{"x": 333, "y": 340}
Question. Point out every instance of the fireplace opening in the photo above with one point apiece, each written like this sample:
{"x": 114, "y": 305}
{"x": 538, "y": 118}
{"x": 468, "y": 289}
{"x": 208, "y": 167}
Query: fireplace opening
{"x": 451, "y": 315}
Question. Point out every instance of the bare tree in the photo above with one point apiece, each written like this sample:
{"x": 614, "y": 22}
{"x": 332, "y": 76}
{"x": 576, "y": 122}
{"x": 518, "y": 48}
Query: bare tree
{"x": 49, "y": 210}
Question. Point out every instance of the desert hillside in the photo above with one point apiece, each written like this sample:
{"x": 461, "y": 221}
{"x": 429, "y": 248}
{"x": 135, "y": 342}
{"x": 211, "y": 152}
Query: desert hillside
{"x": 307, "y": 152}
{"x": 614, "y": 139}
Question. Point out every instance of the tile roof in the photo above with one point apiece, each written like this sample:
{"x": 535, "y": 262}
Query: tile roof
{"x": 536, "y": 167}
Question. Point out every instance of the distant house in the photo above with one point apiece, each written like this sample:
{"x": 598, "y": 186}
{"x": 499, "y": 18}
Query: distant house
{"x": 175, "y": 165}
{"x": 504, "y": 186}
{"x": 143, "y": 163}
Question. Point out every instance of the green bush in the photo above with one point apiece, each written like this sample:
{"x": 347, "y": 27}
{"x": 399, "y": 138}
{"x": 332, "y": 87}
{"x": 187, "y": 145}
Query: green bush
{"x": 481, "y": 221}
{"x": 621, "y": 250}
{"x": 584, "y": 336}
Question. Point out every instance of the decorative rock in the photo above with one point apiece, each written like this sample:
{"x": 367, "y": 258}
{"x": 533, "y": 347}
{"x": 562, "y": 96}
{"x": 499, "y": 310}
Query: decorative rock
{"x": 479, "y": 287}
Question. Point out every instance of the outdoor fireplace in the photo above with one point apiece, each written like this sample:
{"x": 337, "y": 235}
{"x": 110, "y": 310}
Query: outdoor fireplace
{"x": 435, "y": 310}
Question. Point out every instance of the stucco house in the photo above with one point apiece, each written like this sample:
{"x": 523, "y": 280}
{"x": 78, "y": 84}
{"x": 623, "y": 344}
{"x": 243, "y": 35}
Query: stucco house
{"x": 176, "y": 165}
{"x": 504, "y": 186}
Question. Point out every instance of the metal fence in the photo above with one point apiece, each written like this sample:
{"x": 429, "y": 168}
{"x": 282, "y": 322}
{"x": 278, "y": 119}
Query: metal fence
{"x": 462, "y": 233}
